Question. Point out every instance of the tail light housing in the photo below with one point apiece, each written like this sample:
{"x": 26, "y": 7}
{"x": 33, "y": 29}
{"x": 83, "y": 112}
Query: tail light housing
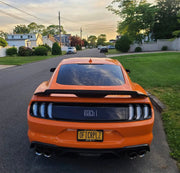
{"x": 136, "y": 112}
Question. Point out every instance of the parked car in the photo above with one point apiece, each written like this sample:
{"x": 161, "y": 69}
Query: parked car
{"x": 103, "y": 49}
{"x": 91, "y": 106}
{"x": 99, "y": 47}
{"x": 111, "y": 47}
{"x": 71, "y": 50}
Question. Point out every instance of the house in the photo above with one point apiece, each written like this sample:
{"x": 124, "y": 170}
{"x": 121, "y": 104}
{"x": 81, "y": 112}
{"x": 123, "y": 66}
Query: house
{"x": 49, "y": 40}
{"x": 27, "y": 40}
{"x": 65, "y": 39}
{"x": 112, "y": 41}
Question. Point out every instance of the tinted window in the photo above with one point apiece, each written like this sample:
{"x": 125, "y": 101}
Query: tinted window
{"x": 90, "y": 75}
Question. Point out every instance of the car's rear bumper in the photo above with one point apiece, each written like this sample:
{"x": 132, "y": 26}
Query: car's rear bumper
{"x": 43, "y": 147}
{"x": 64, "y": 134}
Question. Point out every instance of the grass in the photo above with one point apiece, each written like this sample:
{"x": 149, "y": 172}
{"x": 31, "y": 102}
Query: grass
{"x": 113, "y": 51}
{"x": 19, "y": 60}
{"x": 160, "y": 75}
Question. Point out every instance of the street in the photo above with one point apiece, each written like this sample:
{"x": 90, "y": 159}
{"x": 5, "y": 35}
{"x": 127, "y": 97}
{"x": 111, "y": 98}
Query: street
{"x": 17, "y": 85}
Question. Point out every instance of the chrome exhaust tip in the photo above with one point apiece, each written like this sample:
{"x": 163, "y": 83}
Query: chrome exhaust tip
{"x": 132, "y": 155}
{"x": 47, "y": 154}
{"x": 38, "y": 151}
{"x": 142, "y": 153}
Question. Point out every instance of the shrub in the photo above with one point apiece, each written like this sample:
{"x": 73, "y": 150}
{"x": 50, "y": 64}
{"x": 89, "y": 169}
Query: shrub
{"x": 25, "y": 51}
{"x": 123, "y": 44}
{"x": 41, "y": 50}
{"x": 56, "y": 49}
{"x": 11, "y": 51}
{"x": 3, "y": 42}
{"x": 47, "y": 47}
{"x": 78, "y": 47}
{"x": 164, "y": 48}
{"x": 138, "y": 49}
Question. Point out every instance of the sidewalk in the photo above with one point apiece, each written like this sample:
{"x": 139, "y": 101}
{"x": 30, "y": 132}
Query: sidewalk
{"x": 136, "y": 53}
{"x": 5, "y": 66}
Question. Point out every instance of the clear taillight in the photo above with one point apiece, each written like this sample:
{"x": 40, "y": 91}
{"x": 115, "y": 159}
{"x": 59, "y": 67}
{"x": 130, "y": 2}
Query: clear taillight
{"x": 139, "y": 111}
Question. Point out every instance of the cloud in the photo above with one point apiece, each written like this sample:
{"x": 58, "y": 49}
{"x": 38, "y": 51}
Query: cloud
{"x": 91, "y": 15}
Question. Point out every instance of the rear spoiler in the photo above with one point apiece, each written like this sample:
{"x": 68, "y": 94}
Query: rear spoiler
{"x": 91, "y": 93}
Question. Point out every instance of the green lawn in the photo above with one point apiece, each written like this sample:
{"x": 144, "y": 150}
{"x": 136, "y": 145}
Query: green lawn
{"x": 19, "y": 60}
{"x": 160, "y": 75}
{"x": 113, "y": 51}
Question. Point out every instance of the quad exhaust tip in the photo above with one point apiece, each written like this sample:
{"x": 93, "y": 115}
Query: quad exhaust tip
{"x": 40, "y": 151}
{"x": 133, "y": 155}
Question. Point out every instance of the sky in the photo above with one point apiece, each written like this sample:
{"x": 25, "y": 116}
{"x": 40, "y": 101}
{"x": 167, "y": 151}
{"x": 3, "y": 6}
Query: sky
{"x": 91, "y": 15}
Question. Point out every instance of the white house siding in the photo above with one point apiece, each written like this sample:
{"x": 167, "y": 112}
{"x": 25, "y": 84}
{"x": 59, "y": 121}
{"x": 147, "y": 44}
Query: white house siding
{"x": 27, "y": 40}
{"x": 2, "y": 51}
{"x": 157, "y": 46}
{"x": 16, "y": 43}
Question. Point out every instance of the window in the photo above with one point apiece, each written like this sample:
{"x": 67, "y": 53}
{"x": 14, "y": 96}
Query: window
{"x": 21, "y": 36}
{"x": 90, "y": 75}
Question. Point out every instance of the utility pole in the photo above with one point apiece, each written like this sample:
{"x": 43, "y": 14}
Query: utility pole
{"x": 81, "y": 35}
{"x": 59, "y": 29}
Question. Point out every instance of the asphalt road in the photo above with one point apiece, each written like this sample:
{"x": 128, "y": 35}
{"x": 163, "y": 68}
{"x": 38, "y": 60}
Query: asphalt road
{"x": 16, "y": 88}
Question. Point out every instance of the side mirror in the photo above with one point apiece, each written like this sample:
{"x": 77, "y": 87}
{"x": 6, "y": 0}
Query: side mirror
{"x": 128, "y": 71}
{"x": 52, "y": 69}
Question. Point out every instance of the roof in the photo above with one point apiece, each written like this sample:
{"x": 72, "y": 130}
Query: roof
{"x": 92, "y": 60}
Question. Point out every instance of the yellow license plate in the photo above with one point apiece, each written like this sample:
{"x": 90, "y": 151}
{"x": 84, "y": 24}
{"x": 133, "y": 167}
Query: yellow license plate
{"x": 90, "y": 135}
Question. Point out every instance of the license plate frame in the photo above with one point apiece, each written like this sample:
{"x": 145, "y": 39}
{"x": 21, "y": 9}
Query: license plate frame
{"x": 86, "y": 135}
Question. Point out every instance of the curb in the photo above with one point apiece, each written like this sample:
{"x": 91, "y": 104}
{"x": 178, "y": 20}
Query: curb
{"x": 156, "y": 103}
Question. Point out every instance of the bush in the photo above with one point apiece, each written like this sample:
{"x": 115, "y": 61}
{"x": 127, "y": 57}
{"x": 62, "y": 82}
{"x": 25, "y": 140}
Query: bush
{"x": 11, "y": 51}
{"x": 41, "y": 50}
{"x": 47, "y": 47}
{"x": 138, "y": 49}
{"x": 56, "y": 49}
{"x": 164, "y": 48}
{"x": 25, "y": 51}
{"x": 3, "y": 42}
{"x": 123, "y": 44}
{"x": 78, "y": 47}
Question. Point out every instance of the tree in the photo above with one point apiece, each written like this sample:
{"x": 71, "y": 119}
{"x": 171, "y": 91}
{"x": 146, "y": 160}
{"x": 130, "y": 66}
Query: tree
{"x": 137, "y": 18}
{"x": 166, "y": 19}
{"x": 56, "y": 49}
{"x": 3, "y": 42}
{"x": 3, "y": 34}
{"x": 101, "y": 39}
{"x": 92, "y": 39}
{"x": 21, "y": 29}
{"x": 53, "y": 30}
{"x": 35, "y": 28}
{"x": 85, "y": 42}
{"x": 123, "y": 44}
{"x": 75, "y": 41}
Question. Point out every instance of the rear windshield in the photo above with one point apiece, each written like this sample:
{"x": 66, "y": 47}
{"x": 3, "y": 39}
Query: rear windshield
{"x": 90, "y": 75}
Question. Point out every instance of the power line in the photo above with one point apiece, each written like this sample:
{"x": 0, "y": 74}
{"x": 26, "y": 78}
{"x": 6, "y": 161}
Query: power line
{"x": 19, "y": 9}
{"x": 23, "y": 11}
{"x": 12, "y": 15}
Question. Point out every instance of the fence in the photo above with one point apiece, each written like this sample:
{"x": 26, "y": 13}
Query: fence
{"x": 157, "y": 46}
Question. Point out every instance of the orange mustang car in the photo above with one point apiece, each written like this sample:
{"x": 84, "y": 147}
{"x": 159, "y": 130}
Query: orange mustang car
{"x": 91, "y": 106}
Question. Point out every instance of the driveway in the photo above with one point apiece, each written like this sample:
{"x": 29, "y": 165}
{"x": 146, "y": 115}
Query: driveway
{"x": 16, "y": 88}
